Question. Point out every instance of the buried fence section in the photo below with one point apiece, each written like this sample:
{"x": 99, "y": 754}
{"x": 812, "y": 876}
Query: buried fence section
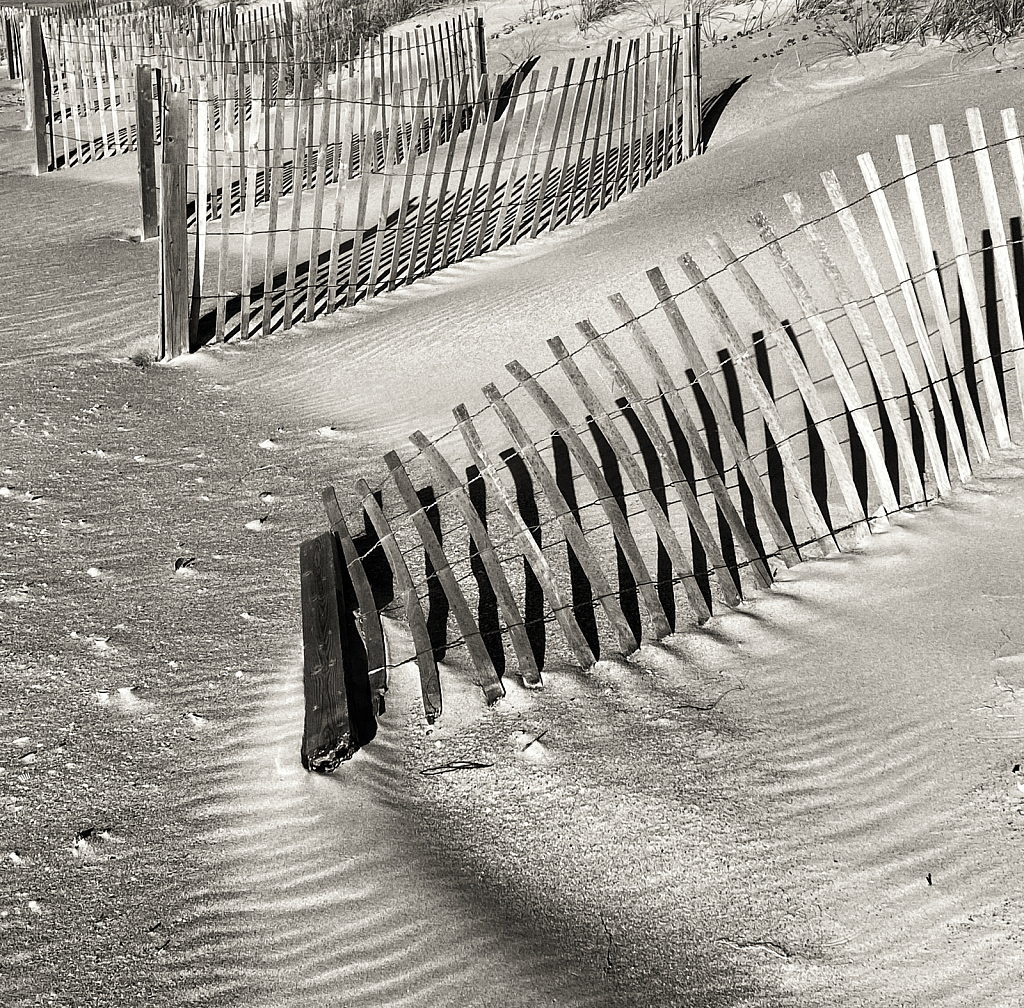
{"x": 363, "y": 184}
{"x": 772, "y": 405}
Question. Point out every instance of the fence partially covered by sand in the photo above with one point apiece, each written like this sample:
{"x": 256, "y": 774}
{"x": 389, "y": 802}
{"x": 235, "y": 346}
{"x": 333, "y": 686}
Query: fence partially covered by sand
{"x": 777, "y": 406}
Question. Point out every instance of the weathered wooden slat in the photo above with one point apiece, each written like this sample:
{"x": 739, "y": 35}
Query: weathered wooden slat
{"x": 695, "y": 442}
{"x": 840, "y": 372}
{"x": 739, "y": 354}
{"x": 571, "y": 531}
{"x": 489, "y": 680}
{"x": 556, "y": 132}
{"x": 319, "y": 195}
{"x": 774, "y": 327}
{"x": 344, "y": 96}
{"x": 969, "y": 288}
{"x": 366, "y": 167}
{"x": 410, "y": 165}
{"x": 450, "y": 484}
{"x": 1005, "y": 281}
{"x": 694, "y": 358}
{"x": 276, "y": 170}
{"x": 390, "y": 159}
{"x": 934, "y": 372}
{"x": 667, "y": 457}
{"x": 147, "y": 152}
{"x": 646, "y": 584}
{"x": 652, "y": 506}
{"x": 880, "y": 298}
{"x": 534, "y": 555}
{"x": 866, "y": 340}
{"x": 373, "y": 633}
{"x": 430, "y": 683}
{"x": 936, "y": 296}
{"x": 327, "y": 737}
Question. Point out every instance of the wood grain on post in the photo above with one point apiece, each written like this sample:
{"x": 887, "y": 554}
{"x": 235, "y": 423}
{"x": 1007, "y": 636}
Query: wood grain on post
{"x": 35, "y": 92}
{"x": 667, "y": 458}
{"x": 560, "y": 605}
{"x": 450, "y": 484}
{"x": 326, "y": 735}
{"x": 652, "y": 506}
{"x": 430, "y": 684}
{"x": 869, "y": 348}
{"x": 563, "y": 514}
{"x": 376, "y": 652}
{"x": 174, "y": 224}
{"x": 147, "y": 152}
{"x": 488, "y": 680}
{"x": 592, "y": 472}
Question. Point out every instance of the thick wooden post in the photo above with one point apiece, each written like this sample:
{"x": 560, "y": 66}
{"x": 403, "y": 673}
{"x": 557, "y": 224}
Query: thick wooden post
{"x": 327, "y": 738}
{"x": 147, "y": 151}
{"x": 173, "y": 225}
{"x": 35, "y": 91}
{"x": 481, "y": 45}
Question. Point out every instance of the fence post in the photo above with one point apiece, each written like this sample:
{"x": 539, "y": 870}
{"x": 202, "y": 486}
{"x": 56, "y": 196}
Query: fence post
{"x": 327, "y": 737}
{"x": 35, "y": 91}
{"x": 173, "y": 225}
{"x": 147, "y": 151}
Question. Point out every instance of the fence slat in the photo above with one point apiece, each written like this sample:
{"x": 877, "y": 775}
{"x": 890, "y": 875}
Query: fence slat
{"x": 969, "y": 288}
{"x": 933, "y": 282}
{"x": 666, "y": 456}
{"x": 449, "y": 482}
{"x": 769, "y": 318}
{"x": 652, "y": 506}
{"x": 739, "y": 355}
{"x": 572, "y": 532}
{"x": 696, "y": 444}
{"x": 899, "y": 261}
{"x": 560, "y": 605}
{"x": 881, "y": 301}
{"x": 865, "y": 338}
{"x": 489, "y": 681}
{"x": 430, "y": 683}
{"x": 376, "y": 651}
{"x": 616, "y": 518}
{"x": 1005, "y": 281}
{"x": 694, "y": 358}
{"x": 840, "y": 372}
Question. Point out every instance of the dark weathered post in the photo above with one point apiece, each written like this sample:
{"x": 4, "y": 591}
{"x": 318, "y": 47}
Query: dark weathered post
{"x": 173, "y": 225}
{"x": 146, "y": 136}
{"x": 35, "y": 91}
{"x": 328, "y": 737}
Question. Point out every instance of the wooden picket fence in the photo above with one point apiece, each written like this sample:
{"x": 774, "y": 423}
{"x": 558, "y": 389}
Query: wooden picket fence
{"x": 366, "y": 183}
{"x": 776, "y": 407}
{"x": 87, "y": 65}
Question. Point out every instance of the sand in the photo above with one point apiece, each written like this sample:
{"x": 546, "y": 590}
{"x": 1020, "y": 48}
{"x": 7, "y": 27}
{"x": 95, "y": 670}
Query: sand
{"x": 811, "y": 802}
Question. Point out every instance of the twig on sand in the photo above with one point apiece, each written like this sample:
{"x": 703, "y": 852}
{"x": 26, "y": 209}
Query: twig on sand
{"x": 710, "y": 706}
{"x": 453, "y": 766}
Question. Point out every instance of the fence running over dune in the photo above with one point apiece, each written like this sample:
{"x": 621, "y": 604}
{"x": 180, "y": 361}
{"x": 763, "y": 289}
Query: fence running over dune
{"x": 344, "y": 193}
{"x": 225, "y": 56}
{"x": 776, "y": 407}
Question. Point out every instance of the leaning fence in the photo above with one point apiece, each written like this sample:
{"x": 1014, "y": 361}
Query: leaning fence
{"x": 349, "y": 190}
{"x": 775, "y": 406}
